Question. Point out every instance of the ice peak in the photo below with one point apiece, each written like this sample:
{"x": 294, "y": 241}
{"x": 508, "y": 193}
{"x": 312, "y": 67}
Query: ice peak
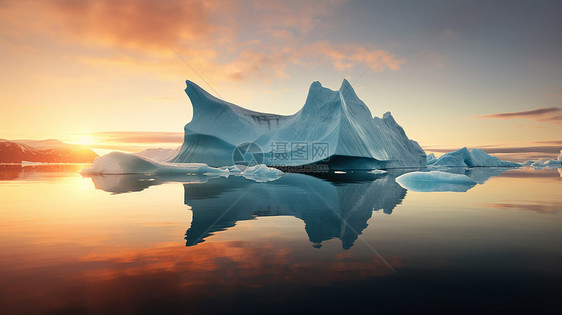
{"x": 345, "y": 85}
{"x": 316, "y": 84}
{"x": 387, "y": 115}
{"x": 192, "y": 87}
{"x": 338, "y": 118}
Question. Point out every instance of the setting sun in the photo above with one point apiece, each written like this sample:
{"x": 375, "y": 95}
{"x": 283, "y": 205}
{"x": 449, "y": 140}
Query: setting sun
{"x": 85, "y": 141}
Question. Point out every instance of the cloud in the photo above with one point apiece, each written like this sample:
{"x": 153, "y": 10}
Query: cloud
{"x": 536, "y": 149}
{"x": 428, "y": 56}
{"x": 553, "y": 142}
{"x": 449, "y": 34}
{"x": 345, "y": 56}
{"x": 300, "y": 16}
{"x": 224, "y": 41}
{"x": 545, "y": 114}
{"x": 275, "y": 61}
{"x": 254, "y": 61}
{"x": 144, "y": 137}
{"x": 141, "y": 24}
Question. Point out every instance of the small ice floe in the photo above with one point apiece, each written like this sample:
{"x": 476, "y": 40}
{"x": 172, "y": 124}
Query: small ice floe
{"x": 544, "y": 164}
{"x": 261, "y": 173}
{"x": 119, "y": 163}
{"x": 435, "y": 181}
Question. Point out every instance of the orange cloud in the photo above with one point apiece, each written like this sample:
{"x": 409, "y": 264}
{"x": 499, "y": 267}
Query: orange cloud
{"x": 300, "y": 16}
{"x": 141, "y": 24}
{"x": 257, "y": 64}
{"x": 346, "y": 56}
{"x": 139, "y": 137}
{"x": 139, "y": 35}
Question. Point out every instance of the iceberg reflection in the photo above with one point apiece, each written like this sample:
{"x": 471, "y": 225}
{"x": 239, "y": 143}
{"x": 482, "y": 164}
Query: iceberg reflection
{"x": 331, "y": 205}
{"x": 336, "y": 207}
{"x": 119, "y": 184}
{"x": 455, "y": 179}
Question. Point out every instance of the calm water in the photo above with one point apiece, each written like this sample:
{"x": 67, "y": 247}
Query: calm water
{"x": 301, "y": 244}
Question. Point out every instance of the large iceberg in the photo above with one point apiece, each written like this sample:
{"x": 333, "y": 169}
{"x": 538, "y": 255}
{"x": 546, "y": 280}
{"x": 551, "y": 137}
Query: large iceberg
{"x": 473, "y": 158}
{"x": 334, "y": 128}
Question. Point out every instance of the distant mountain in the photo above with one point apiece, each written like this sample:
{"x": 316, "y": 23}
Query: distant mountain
{"x": 50, "y": 151}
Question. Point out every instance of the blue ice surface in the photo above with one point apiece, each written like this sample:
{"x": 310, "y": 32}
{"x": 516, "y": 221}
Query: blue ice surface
{"x": 337, "y": 121}
{"x": 435, "y": 181}
{"x": 120, "y": 163}
{"x": 544, "y": 164}
{"x": 473, "y": 158}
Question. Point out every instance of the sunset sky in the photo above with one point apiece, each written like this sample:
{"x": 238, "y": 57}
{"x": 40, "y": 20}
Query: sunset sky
{"x": 111, "y": 74}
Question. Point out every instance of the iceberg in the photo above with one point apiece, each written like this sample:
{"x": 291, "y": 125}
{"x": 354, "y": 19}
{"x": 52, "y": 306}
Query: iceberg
{"x": 158, "y": 154}
{"x": 119, "y": 163}
{"x": 261, "y": 173}
{"x": 546, "y": 163}
{"x": 473, "y": 158}
{"x": 450, "y": 161}
{"x": 431, "y": 158}
{"x": 333, "y": 127}
{"x": 116, "y": 163}
{"x": 528, "y": 163}
{"x": 435, "y": 181}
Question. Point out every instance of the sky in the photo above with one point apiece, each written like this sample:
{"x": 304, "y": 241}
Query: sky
{"x": 111, "y": 73}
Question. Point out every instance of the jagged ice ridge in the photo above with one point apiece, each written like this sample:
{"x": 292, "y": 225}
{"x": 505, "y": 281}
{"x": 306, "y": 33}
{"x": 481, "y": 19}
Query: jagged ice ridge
{"x": 335, "y": 120}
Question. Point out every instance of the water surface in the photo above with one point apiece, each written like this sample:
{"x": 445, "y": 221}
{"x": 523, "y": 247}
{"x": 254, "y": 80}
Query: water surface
{"x": 301, "y": 244}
